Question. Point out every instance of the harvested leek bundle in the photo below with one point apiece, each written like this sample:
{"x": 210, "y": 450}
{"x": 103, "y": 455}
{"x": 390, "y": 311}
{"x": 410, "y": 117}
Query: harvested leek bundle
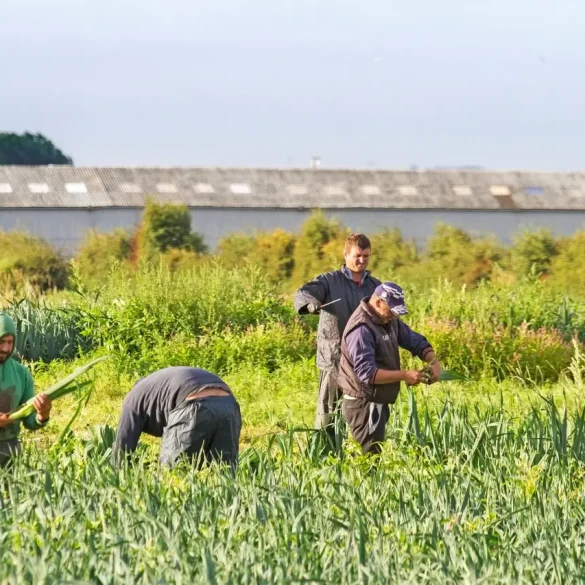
{"x": 62, "y": 388}
{"x": 451, "y": 376}
{"x": 444, "y": 376}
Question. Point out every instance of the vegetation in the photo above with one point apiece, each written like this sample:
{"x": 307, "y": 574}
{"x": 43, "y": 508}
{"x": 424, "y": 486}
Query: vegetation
{"x": 29, "y": 262}
{"x": 30, "y": 149}
{"x": 479, "y": 481}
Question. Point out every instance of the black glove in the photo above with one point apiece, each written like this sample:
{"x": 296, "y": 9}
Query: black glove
{"x": 313, "y": 308}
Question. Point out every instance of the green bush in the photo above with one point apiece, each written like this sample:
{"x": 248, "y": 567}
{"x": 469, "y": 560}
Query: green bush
{"x": 163, "y": 227}
{"x": 567, "y": 268}
{"x": 177, "y": 260}
{"x": 132, "y": 314}
{"x": 99, "y": 252}
{"x": 533, "y": 252}
{"x": 390, "y": 253}
{"x": 262, "y": 346}
{"x": 497, "y": 351}
{"x": 273, "y": 252}
{"x": 452, "y": 254}
{"x": 234, "y": 248}
{"x": 309, "y": 252}
{"x": 27, "y": 260}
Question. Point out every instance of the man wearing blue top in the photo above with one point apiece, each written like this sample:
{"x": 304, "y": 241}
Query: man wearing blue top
{"x": 369, "y": 371}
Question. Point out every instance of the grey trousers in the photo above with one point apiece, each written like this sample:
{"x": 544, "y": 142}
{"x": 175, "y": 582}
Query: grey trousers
{"x": 205, "y": 430}
{"x": 367, "y": 421}
{"x": 327, "y": 400}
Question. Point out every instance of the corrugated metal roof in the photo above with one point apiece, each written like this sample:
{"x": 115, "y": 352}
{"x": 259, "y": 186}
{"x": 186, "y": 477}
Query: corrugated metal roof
{"x": 73, "y": 187}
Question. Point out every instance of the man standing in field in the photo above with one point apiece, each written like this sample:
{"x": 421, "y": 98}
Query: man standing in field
{"x": 344, "y": 289}
{"x": 193, "y": 410}
{"x": 16, "y": 388}
{"x": 369, "y": 372}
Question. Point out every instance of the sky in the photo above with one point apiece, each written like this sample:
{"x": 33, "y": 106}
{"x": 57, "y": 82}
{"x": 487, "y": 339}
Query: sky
{"x": 272, "y": 83}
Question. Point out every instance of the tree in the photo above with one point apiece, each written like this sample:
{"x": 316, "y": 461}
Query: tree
{"x": 390, "y": 252}
{"x": 166, "y": 227}
{"x": 567, "y": 267}
{"x": 533, "y": 251}
{"x": 309, "y": 253}
{"x": 30, "y": 149}
{"x": 454, "y": 255}
{"x": 273, "y": 251}
{"x": 98, "y": 252}
{"x": 30, "y": 260}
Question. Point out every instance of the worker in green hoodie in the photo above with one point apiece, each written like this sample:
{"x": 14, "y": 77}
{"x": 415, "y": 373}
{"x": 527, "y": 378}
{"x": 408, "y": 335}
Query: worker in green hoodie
{"x": 16, "y": 387}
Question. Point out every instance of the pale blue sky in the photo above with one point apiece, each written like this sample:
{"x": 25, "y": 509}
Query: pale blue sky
{"x": 375, "y": 83}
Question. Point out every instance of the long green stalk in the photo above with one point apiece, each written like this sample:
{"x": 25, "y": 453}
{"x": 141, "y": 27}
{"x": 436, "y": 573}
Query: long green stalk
{"x": 62, "y": 388}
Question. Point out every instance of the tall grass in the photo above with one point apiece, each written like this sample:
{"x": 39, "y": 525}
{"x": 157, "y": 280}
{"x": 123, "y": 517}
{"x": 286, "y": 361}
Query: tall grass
{"x": 453, "y": 499}
{"x": 479, "y": 482}
{"x": 221, "y": 318}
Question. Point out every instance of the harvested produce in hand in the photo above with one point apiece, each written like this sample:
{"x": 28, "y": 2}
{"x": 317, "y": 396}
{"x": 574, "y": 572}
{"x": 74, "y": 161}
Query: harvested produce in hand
{"x": 444, "y": 376}
{"x": 451, "y": 376}
{"x": 62, "y": 388}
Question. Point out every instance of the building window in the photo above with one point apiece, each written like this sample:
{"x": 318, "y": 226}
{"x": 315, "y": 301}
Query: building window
{"x": 297, "y": 190}
{"x": 203, "y": 188}
{"x": 370, "y": 190}
{"x": 76, "y": 187}
{"x": 39, "y": 188}
{"x": 166, "y": 188}
{"x": 130, "y": 188}
{"x": 240, "y": 189}
{"x": 462, "y": 190}
{"x": 499, "y": 190}
{"x": 334, "y": 190}
{"x": 408, "y": 190}
{"x": 533, "y": 191}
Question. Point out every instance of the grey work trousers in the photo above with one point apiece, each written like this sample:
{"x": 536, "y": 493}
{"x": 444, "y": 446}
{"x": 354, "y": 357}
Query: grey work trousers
{"x": 327, "y": 400}
{"x": 367, "y": 421}
{"x": 206, "y": 430}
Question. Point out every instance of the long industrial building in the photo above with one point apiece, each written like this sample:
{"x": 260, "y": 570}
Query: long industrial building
{"x": 60, "y": 203}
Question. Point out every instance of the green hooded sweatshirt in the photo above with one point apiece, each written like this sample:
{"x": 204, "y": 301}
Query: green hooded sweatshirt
{"x": 16, "y": 387}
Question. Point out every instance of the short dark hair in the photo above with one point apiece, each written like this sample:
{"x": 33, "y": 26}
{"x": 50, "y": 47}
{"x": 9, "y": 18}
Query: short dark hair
{"x": 359, "y": 240}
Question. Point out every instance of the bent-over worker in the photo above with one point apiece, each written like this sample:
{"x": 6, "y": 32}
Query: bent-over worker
{"x": 193, "y": 410}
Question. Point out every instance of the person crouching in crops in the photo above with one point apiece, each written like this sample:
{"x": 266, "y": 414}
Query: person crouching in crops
{"x": 16, "y": 388}
{"x": 193, "y": 410}
{"x": 369, "y": 370}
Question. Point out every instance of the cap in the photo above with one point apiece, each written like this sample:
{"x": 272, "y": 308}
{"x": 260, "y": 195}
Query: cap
{"x": 394, "y": 297}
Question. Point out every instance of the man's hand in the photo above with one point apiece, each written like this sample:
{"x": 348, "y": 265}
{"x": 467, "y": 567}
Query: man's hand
{"x": 436, "y": 372}
{"x": 413, "y": 377}
{"x": 42, "y": 404}
{"x": 4, "y": 420}
{"x": 313, "y": 308}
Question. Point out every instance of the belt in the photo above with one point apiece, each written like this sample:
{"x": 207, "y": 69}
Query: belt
{"x": 206, "y": 392}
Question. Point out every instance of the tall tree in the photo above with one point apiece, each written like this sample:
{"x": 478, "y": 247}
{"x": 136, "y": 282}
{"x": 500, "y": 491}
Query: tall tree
{"x": 30, "y": 149}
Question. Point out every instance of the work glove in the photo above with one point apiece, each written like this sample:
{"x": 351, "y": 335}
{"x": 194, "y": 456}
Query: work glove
{"x": 313, "y": 308}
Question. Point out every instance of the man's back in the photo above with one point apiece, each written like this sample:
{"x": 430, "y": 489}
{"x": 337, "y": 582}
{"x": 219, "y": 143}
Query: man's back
{"x": 153, "y": 397}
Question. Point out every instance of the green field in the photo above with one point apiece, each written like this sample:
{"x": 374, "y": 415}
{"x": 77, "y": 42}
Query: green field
{"x": 479, "y": 482}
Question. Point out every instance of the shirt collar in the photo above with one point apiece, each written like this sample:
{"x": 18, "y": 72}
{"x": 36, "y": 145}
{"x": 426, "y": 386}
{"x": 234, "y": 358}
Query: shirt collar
{"x": 347, "y": 272}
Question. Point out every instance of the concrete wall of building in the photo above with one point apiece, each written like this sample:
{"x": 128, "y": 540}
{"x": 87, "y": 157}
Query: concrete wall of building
{"x": 65, "y": 228}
